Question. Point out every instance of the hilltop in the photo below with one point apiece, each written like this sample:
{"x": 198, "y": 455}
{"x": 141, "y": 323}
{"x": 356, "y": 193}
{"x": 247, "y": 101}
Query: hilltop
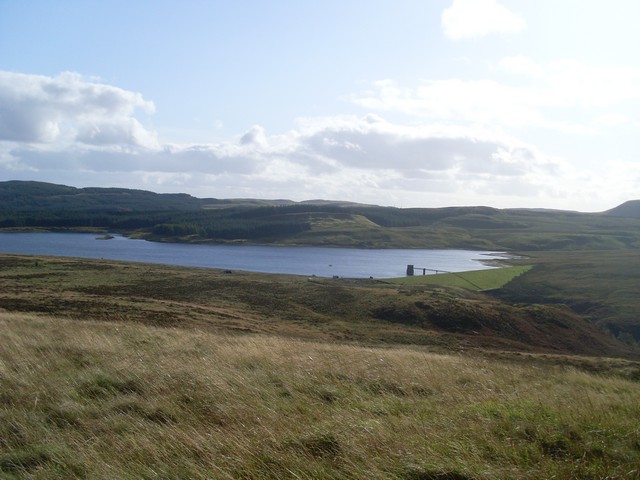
{"x": 627, "y": 209}
{"x": 20, "y": 195}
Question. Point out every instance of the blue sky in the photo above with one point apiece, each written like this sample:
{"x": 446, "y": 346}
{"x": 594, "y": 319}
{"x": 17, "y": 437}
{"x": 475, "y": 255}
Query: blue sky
{"x": 506, "y": 103}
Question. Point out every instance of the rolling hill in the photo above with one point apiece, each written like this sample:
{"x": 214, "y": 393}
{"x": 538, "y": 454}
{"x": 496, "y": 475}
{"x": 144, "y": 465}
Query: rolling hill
{"x": 630, "y": 208}
{"x": 183, "y": 218}
{"x": 363, "y": 311}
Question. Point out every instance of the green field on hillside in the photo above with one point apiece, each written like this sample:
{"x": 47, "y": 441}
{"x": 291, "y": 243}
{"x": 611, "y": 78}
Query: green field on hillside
{"x": 478, "y": 280}
{"x": 601, "y": 285}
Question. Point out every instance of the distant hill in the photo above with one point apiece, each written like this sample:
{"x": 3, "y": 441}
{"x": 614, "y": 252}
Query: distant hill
{"x": 19, "y": 195}
{"x": 25, "y": 196}
{"x": 627, "y": 209}
{"x": 184, "y": 218}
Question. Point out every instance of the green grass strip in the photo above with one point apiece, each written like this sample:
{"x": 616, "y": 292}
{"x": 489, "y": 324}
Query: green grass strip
{"x": 472, "y": 280}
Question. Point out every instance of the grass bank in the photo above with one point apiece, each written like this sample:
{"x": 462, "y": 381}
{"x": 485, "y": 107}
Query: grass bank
{"x": 105, "y": 400}
{"x": 477, "y": 280}
{"x": 364, "y": 311}
{"x": 601, "y": 285}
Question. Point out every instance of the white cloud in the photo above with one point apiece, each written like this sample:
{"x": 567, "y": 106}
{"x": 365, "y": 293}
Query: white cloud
{"x": 521, "y": 64}
{"x": 380, "y": 145}
{"x": 155, "y": 179}
{"x": 353, "y": 158}
{"x": 255, "y": 136}
{"x": 571, "y": 83}
{"x": 612, "y": 119}
{"x": 70, "y": 108}
{"x": 567, "y": 96}
{"x": 477, "y": 101}
{"x": 123, "y": 131}
{"x": 467, "y": 19}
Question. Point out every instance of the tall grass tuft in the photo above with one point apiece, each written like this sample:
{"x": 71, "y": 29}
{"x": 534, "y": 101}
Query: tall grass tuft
{"x": 114, "y": 400}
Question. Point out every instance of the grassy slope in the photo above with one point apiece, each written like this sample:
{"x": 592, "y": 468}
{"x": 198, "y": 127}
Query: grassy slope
{"x": 493, "y": 230}
{"x": 472, "y": 280}
{"x": 105, "y": 400}
{"x": 195, "y": 402}
{"x": 323, "y": 309}
{"x": 601, "y": 285}
{"x": 41, "y": 205}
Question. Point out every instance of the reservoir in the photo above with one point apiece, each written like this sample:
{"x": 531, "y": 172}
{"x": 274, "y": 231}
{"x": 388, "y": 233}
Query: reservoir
{"x": 319, "y": 261}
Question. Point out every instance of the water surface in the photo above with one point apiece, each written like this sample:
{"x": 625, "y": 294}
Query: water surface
{"x": 320, "y": 261}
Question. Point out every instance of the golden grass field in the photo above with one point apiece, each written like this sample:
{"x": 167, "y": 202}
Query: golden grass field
{"x": 105, "y": 400}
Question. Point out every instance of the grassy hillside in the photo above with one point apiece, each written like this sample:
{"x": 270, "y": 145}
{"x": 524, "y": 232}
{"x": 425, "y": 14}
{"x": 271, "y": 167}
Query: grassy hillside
{"x": 627, "y": 209}
{"x": 476, "y": 228}
{"x": 595, "y": 277}
{"x": 479, "y": 280}
{"x": 125, "y": 370}
{"x": 365, "y": 311}
{"x": 40, "y": 196}
{"x": 107, "y": 399}
{"x": 180, "y": 217}
{"x": 601, "y": 285}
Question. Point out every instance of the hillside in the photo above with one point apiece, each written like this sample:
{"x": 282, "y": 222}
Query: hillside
{"x": 114, "y": 399}
{"x": 25, "y": 196}
{"x": 627, "y": 209}
{"x": 203, "y": 373}
{"x": 182, "y": 218}
{"x": 199, "y": 373}
{"x": 588, "y": 246}
{"x": 38, "y": 196}
{"x": 600, "y": 285}
{"x": 366, "y": 311}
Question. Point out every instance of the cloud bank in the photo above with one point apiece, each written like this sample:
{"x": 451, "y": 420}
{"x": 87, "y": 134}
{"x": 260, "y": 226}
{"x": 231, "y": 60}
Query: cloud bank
{"x": 67, "y": 125}
{"x": 567, "y": 96}
{"x": 78, "y": 131}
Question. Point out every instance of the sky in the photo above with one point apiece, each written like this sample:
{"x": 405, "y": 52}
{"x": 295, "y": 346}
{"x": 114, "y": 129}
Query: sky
{"x": 406, "y": 103}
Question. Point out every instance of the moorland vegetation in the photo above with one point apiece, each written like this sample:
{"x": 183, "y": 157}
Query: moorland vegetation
{"x": 111, "y": 399}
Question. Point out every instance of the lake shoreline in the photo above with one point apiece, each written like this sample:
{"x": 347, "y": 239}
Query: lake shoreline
{"x": 321, "y": 261}
{"x": 137, "y": 235}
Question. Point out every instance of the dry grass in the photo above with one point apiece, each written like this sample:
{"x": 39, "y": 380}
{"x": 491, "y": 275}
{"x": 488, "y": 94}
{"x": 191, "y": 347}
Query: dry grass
{"x": 116, "y": 400}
